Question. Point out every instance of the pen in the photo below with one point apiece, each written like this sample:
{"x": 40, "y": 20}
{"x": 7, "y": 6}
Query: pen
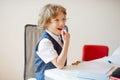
{"x": 109, "y": 61}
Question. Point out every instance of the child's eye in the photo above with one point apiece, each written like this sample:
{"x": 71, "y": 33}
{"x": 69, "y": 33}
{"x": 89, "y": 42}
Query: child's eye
{"x": 58, "y": 20}
{"x": 64, "y": 19}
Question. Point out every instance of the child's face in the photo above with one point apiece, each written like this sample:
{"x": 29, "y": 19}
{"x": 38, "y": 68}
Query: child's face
{"x": 57, "y": 24}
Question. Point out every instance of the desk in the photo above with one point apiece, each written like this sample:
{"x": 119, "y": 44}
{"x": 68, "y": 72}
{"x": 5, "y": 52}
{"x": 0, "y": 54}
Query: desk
{"x": 78, "y": 72}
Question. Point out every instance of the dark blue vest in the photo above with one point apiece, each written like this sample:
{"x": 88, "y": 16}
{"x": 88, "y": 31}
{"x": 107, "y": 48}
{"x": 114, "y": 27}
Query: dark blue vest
{"x": 40, "y": 66}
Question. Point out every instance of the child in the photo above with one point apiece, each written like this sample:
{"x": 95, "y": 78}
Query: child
{"x": 51, "y": 52}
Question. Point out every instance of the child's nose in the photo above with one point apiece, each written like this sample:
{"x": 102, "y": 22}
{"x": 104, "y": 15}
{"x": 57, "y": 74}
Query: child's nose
{"x": 62, "y": 23}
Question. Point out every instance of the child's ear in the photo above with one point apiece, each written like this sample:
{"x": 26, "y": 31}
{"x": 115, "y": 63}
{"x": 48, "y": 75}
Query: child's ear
{"x": 46, "y": 25}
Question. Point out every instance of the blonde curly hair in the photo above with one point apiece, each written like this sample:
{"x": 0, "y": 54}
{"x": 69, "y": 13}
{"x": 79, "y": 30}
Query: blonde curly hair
{"x": 48, "y": 12}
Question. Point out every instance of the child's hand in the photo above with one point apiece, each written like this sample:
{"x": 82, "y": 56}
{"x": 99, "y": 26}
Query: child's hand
{"x": 76, "y": 63}
{"x": 65, "y": 36}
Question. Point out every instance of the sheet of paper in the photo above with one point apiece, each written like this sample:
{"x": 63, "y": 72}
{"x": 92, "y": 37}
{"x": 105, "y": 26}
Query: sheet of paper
{"x": 91, "y": 70}
{"x": 84, "y": 71}
{"x": 116, "y": 52}
{"x": 115, "y": 60}
{"x": 115, "y": 57}
{"x": 92, "y": 66}
{"x": 92, "y": 75}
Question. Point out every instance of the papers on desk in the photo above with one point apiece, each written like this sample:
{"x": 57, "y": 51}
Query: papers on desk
{"x": 75, "y": 75}
{"x": 91, "y": 70}
{"x": 115, "y": 57}
{"x": 116, "y": 52}
{"x": 115, "y": 60}
{"x": 92, "y": 66}
{"x": 100, "y": 69}
{"x": 92, "y": 76}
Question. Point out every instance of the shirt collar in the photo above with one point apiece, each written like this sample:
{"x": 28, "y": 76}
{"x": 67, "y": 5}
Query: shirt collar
{"x": 57, "y": 38}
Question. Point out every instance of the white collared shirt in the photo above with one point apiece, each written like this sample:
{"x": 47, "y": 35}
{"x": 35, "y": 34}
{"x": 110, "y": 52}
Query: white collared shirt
{"x": 46, "y": 49}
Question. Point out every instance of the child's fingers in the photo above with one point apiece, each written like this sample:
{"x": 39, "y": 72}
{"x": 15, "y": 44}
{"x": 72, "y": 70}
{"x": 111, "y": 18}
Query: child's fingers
{"x": 76, "y": 63}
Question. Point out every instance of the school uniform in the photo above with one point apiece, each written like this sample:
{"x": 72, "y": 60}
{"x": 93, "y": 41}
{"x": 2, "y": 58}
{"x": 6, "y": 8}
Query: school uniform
{"x": 48, "y": 48}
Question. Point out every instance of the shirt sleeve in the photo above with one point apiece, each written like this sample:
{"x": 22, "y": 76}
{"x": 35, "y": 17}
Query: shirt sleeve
{"x": 46, "y": 50}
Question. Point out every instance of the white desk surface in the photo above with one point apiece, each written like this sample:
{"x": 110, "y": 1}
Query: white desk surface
{"x": 79, "y": 72}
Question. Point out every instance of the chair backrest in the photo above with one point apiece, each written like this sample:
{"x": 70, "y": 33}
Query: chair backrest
{"x": 91, "y": 52}
{"x": 32, "y": 34}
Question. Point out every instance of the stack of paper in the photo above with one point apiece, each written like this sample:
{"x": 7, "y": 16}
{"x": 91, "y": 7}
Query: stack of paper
{"x": 95, "y": 66}
{"x": 92, "y": 76}
{"x": 90, "y": 70}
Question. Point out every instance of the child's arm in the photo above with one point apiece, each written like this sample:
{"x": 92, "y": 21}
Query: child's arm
{"x": 61, "y": 59}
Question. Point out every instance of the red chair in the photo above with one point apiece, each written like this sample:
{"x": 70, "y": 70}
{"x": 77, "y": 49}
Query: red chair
{"x": 92, "y": 52}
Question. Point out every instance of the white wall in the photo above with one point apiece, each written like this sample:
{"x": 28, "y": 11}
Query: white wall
{"x": 90, "y": 21}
